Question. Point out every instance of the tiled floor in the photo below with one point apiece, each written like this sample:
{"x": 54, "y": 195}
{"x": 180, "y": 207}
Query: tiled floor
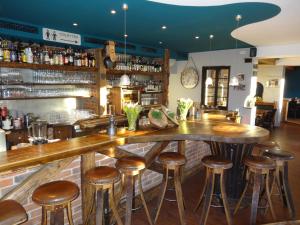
{"x": 289, "y": 138}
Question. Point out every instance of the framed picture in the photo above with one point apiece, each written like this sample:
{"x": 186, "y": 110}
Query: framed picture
{"x": 273, "y": 83}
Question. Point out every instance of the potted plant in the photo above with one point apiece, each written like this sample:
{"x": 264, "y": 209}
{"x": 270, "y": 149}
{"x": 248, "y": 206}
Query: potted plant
{"x": 184, "y": 105}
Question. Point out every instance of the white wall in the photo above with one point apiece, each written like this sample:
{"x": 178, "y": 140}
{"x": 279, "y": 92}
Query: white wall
{"x": 233, "y": 58}
{"x": 266, "y": 73}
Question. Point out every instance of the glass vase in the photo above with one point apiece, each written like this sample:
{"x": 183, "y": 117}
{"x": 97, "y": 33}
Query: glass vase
{"x": 131, "y": 122}
{"x": 183, "y": 114}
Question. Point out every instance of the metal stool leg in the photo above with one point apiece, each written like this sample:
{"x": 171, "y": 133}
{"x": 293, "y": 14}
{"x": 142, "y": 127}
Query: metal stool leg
{"x": 287, "y": 191}
{"x": 113, "y": 205}
{"x": 129, "y": 198}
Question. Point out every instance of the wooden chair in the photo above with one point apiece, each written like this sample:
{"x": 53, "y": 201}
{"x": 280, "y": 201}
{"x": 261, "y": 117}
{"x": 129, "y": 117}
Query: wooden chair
{"x": 11, "y": 212}
{"x": 214, "y": 166}
{"x": 258, "y": 167}
{"x": 132, "y": 167}
{"x": 54, "y": 197}
{"x": 172, "y": 161}
{"x": 103, "y": 178}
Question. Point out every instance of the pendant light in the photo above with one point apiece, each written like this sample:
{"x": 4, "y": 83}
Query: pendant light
{"x": 125, "y": 80}
{"x": 234, "y": 81}
{"x": 209, "y": 80}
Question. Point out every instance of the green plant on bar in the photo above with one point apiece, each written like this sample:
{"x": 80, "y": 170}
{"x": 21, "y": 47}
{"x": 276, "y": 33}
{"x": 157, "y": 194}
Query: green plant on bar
{"x": 183, "y": 106}
{"x": 132, "y": 112}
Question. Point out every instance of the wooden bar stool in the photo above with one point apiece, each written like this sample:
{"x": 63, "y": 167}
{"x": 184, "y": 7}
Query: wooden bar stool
{"x": 263, "y": 146}
{"x": 103, "y": 178}
{"x": 258, "y": 167}
{"x": 172, "y": 161}
{"x": 214, "y": 166}
{"x": 54, "y": 197}
{"x": 11, "y": 212}
{"x": 132, "y": 167}
{"x": 281, "y": 180}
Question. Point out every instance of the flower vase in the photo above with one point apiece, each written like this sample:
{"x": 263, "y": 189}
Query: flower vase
{"x": 183, "y": 114}
{"x": 131, "y": 123}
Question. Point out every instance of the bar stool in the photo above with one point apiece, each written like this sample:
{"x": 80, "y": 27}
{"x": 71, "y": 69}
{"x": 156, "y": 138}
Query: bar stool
{"x": 281, "y": 159}
{"x": 130, "y": 168}
{"x": 267, "y": 145}
{"x": 172, "y": 161}
{"x": 103, "y": 178}
{"x": 258, "y": 167}
{"x": 54, "y": 197}
{"x": 11, "y": 212}
{"x": 214, "y": 166}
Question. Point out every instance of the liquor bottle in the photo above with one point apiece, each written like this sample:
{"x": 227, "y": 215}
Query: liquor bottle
{"x": 60, "y": 58}
{"x": 41, "y": 54}
{"x": 36, "y": 56}
{"x": 1, "y": 52}
{"x": 56, "y": 58}
{"x": 6, "y": 51}
{"x": 19, "y": 53}
{"x": 51, "y": 59}
{"x": 29, "y": 55}
{"x": 71, "y": 57}
{"x": 66, "y": 56}
{"x": 13, "y": 54}
{"x": 46, "y": 57}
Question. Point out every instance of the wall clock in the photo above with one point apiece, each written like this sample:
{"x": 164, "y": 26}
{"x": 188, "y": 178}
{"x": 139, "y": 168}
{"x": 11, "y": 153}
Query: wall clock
{"x": 189, "y": 77}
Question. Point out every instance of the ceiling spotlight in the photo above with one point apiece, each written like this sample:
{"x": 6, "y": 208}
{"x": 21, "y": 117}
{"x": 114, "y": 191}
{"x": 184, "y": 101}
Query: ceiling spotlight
{"x": 160, "y": 42}
{"x": 75, "y": 24}
{"x": 164, "y": 27}
{"x": 126, "y": 35}
{"x": 211, "y": 36}
{"x": 196, "y": 37}
{"x": 125, "y": 6}
{"x": 238, "y": 17}
{"x": 113, "y": 11}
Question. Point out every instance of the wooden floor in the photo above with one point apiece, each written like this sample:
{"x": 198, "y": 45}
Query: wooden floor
{"x": 289, "y": 138}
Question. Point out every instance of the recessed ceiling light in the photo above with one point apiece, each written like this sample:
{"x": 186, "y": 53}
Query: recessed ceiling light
{"x": 75, "y": 24}
{"x": 125, "y": 6}
{"x": 196, "y": 37}
{"x": 126, "y": 35}
{"x": 211, "y": 36}
{"x": 113, "y": 11}
{"x": 238, "y": 17}
{"x": 160, "y": 42}
{"x": 164, "y": 27}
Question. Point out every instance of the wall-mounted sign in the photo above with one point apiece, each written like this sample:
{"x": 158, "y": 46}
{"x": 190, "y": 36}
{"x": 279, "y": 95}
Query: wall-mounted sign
{"x": 61, "y": 36}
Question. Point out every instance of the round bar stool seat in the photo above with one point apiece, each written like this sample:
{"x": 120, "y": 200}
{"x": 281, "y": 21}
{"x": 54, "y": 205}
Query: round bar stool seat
{"x": 214, "y": 162}
{"x": 259, "y": 162}
{"x": 55, "y": 193}
{"x": 267, "y": 144}
{"x": 172, "y": 161}
{"x": 54, "y": 197}
{"x": 259, "y": 168}
{"x": 103, "y": 178}
{"x": 281, "y": 158}
{"x": 102, "y": 175}
{"x": 11, "y": 212}
{"x": 132, "y": 167}
{"x": 214, "y": 166}
{"x": 278, "y": 154}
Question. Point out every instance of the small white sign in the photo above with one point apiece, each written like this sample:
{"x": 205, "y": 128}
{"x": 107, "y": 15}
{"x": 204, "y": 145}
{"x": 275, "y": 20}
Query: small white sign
{"x": 61, "y": 36}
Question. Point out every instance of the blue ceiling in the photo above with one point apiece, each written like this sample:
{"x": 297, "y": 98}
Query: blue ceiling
{"x": 145, "y": 19}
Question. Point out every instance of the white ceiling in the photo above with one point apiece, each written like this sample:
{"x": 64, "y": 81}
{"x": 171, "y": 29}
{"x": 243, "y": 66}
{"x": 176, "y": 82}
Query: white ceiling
{"x": 282, "y": 29}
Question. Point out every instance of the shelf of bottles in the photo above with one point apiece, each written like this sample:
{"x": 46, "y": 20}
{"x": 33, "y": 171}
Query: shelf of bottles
{"x": 24, "y": 55}
{"x": 136, "y": 65}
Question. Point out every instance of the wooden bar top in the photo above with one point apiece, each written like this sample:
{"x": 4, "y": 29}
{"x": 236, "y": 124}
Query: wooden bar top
{"x": 188, "y": 130}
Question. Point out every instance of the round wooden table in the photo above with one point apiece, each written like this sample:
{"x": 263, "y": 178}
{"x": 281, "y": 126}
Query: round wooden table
{"x": 229, "y": 140}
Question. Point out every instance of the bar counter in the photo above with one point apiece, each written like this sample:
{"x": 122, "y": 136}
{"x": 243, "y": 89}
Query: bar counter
{"x": 53, "y": 158}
